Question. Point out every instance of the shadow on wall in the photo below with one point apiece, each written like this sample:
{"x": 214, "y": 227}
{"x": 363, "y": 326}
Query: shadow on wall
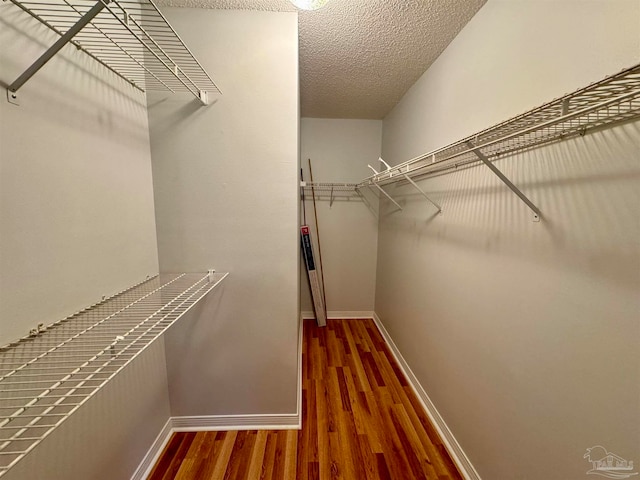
{"x": 587, "y": 189}
{"x": 363, "y": 195}
{"x": 179, "y": 111}
{"x": 25, "y": 38}
{"x": 191, "y": 350}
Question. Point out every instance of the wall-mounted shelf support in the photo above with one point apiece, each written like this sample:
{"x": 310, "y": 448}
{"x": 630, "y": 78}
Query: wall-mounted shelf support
{"x": 131, "y": 38}
{"x": 536, "y": 211}
{"x": 610, "y": 101}
{"x": 381, "y": 189}
{"x": 415, "y": 185}
{"x": 53, "y": 49}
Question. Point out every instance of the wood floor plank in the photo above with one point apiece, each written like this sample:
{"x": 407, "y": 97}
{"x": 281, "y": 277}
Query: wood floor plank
{"x": 360, "y": 420}
{"x": 257, "y": 456}
{"x": 269, "y": 456}
{"x": 222, "y": 460}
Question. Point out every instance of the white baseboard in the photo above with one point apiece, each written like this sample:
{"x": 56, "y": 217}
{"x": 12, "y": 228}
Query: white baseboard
{"x": 152, "y": 456}
{"x": 299, "y": 392}
{"x": 213, "y": 423}
{"x": 294, "y": 421}
{"x": 203, "y": 423}
{"x": 223, "y": 422}
{"x": 453, "y": 447}
{"x": 340, "y": 314}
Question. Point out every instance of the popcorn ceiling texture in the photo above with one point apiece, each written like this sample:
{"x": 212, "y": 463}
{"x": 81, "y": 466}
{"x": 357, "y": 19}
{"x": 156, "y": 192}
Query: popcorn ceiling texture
{"x": 359, "y": 57}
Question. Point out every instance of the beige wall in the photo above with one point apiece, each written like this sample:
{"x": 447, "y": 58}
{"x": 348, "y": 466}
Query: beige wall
{"x": 76, "y": 200}
{"x": 523, "y": 334}
{"x": 340, "y": 151}
{"x": 226, "y": 195}
{"x": 77, "y": 222}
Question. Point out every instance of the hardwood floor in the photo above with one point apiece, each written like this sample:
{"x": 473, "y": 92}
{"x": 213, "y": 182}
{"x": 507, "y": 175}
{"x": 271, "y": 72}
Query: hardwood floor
{"x": 361, "y": 420}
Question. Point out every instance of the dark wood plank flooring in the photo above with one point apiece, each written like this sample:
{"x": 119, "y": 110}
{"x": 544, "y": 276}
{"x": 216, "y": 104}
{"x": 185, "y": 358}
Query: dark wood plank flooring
{"x": 361, "y": 420}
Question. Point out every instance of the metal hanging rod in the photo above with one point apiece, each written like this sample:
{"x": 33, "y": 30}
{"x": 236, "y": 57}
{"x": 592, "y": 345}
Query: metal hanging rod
{"x": 46, "y": 378}
{"x": 612, "y": 100}
{"x": 131, "y": 38}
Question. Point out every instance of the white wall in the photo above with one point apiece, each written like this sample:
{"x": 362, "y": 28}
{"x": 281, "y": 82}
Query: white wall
{"x": 76, "y": 222}
{"x": 226, "y": 193}
{"x": 340, "y": 151}
{"x": 523, "y": 334}
{"x": 76, "y": 201}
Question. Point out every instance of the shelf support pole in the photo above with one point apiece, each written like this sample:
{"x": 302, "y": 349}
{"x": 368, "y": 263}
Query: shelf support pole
{"x": 537, "y": 214}
{"x": 53, "y": 49}
{"x": 415, "y": 185}
{"x": 382, "y": 190}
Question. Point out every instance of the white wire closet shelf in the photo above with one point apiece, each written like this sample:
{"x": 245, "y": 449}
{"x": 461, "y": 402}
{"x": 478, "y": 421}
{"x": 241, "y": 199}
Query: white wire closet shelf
{"x": 612, "y": 100}
{"x": 44, "y": 379}
{"x": 131, "y": 38}
{"x": 329, "y": 186}
{"x": 331, "y": 191}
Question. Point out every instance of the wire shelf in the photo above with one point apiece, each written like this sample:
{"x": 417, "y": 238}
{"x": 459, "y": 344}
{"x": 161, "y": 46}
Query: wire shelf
{"x": 44, "y": 379}
{"x": 329, "y": 186}
{"x": 331, "y": 191}
{"x": 609, "y": 101}
{"x": 131, "y": 38}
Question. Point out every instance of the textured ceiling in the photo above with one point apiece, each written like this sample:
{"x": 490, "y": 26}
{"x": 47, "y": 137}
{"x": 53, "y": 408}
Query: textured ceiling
{"x": 358, "y": 57}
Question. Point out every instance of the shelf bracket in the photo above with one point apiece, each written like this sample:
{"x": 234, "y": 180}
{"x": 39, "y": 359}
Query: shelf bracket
{"x": 383, "y": 192}
{"x": 415, "y": 185}
{"x": 53, "y": 49}
{"x": 537, "y": 214}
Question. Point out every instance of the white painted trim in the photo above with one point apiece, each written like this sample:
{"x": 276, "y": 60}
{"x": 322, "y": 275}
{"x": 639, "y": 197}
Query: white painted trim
{"x": 203, "y": 423}
{"x": 341, "y": 314}
{"x": 299, "y": 393}
{"x": 152, "y": 456}
{"x": 453, "y": 447}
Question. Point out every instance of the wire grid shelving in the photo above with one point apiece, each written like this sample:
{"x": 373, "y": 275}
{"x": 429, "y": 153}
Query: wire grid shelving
{"x": 328, "y": 186}
{"x": 44, "y": 379}
{"x": 131, "y": 38}
{"x": 609, "y": 101}
{"x": 331, "y": 191}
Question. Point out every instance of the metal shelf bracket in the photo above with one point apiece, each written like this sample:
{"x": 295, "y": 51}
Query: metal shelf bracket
{"x": 605, "y": 103}
{"x": 537, "y": 214}
{"x": 381, "y": 190}
{"x": 414, "y": 184}
{"x": 52, "y": 50}
{"x": 131, "y": 38}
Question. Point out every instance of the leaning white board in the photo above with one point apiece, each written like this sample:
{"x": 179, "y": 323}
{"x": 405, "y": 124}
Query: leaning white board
{"x": 316, "y": 293}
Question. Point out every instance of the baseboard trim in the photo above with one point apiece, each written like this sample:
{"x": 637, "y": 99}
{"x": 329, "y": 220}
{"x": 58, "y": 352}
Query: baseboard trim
{"x": 340, "y": 314}
{"x": 236, "y": 422}
{"x": 294, "y": 421}
{"x": 299, "y": 392}
{"x": 453, "y": 447}
{"x": 152, "y": 456}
